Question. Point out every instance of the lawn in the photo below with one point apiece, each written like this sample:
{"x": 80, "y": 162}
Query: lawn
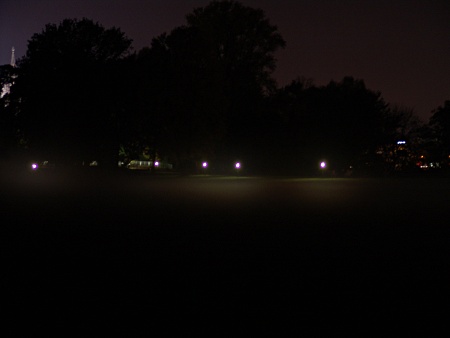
{"x": 221, "y": 252}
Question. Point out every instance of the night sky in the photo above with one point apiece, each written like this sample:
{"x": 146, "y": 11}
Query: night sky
{"x": 400, "y": 48}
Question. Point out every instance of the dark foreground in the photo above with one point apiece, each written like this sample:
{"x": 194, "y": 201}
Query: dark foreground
{"x": 85, "y": 253}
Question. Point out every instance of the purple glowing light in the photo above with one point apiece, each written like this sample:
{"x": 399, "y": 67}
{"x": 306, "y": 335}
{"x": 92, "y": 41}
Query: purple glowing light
{"x": 205, "y": 164}
{"x": 237, "y": 165}
{"x": 323, "y": 165}
{"x": 34, "y": 166}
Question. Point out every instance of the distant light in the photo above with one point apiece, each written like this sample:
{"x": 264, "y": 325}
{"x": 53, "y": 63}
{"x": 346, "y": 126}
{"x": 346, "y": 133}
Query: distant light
{"x": 34, "y": 166}
{"x": 401, "y": 142}
{"x": 156, "y": 163}
{"x": 323, "y": 164}
{"x": 205, "y": 164}
{"x": 237, "y": 165}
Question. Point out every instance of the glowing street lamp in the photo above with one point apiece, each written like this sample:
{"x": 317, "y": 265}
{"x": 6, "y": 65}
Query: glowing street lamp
{"x": 204, "y": 167}
{"x": 323, "y": 167}
{"x": 237, "y": 167}
{"x": 34, "y": 166}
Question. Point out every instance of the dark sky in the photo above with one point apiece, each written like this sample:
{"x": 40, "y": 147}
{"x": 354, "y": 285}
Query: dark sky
{"x": 400, "y": 48}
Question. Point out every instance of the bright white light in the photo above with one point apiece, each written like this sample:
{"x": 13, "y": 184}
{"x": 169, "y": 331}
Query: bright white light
{"x": 34, "y": 166}
{"x": 401, "y": 142}
{"x": 156, "y": 163}
{"x": 237, "y": 165}
{"x": 323, "y": 165}
{"x": 204, "y": 164}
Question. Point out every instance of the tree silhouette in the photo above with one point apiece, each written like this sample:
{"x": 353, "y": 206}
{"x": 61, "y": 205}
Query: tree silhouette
{"x": 204, "y": 84}
{"x": 340, "y": 121}
{"x": 242, "y": 39}
{"x": 205, "y": 90}
{"x": 70, "y": 87}
{"x": 179, "y": 103}
{"x": 242, "y": 42}
{"x": 440, "y": 124}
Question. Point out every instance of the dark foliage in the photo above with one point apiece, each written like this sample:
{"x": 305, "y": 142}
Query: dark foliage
{"x": 199, "y": 92}
{"x": 70, "y": 91}
{"x": 202, "y": 92}
{"x": 339, "y": 122}
{"x": 440, "y": 122}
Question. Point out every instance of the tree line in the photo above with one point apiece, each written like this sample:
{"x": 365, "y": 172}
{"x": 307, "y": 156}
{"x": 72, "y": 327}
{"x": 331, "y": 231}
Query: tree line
{"x": 204, "y": 91}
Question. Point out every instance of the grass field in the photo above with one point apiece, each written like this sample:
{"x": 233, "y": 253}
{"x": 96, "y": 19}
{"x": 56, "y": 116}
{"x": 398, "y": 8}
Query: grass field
{"x": 218, "y": 253}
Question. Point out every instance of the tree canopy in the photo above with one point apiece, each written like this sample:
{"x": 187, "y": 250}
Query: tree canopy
{"x": 340, "y": 121}
{"x": 69, "y": 84}
{"x": 208, "y": 79}
{"x": 241, "y": 39}
{"x": 205, "y": 90}
{"x": 440, "y": 124}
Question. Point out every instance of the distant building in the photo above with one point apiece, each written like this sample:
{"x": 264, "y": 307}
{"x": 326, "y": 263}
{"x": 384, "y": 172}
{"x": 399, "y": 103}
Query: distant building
{"x": 148, "y": 165}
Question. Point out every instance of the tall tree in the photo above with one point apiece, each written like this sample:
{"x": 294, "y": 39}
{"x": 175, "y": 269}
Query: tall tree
{"x": 242, "y": 39}
{"x": 179, "y": 100}
{"x": 340, "y": 121}
{"x": 70, "y": 87}
{"x": 217, "y": 70}
{"x": 243, "y": 42}
{"x": 440, "y": 124}
{"x": 405, "y": 122}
